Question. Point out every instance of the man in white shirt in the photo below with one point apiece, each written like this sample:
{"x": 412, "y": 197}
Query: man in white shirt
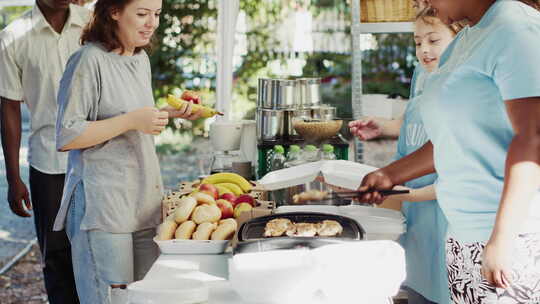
{"x": 34, "y": 50}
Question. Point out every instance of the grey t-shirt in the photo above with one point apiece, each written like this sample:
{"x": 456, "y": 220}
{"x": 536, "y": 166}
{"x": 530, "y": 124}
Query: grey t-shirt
{"x": 121, "y": 176}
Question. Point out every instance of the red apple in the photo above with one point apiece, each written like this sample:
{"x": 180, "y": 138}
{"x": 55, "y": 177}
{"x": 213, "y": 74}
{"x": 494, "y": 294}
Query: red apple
{"x": 229, "y": 197}
{"x": 240, "y": 208}
{"x": 191, "y": 96}
{"x": 226, "y": 207}
{"x": 245, "y": 198}
{"x": 210, "y": 190}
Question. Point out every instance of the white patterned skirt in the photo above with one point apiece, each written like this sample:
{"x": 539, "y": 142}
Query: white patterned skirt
{"x": 467, "y": 285}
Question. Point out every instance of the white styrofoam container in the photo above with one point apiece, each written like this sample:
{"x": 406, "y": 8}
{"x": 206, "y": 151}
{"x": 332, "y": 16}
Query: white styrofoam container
{"x": 342, "y": 173}
{"x": 167, "y": 291}
{"x": 191, "y": 246}
{"x": 289, "y": 177}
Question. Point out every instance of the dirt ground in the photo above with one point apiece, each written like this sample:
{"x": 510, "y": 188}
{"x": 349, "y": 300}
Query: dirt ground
{"x": 23, "y": 283}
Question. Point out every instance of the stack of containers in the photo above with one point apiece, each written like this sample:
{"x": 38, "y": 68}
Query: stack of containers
{"x": 279, "y": 100}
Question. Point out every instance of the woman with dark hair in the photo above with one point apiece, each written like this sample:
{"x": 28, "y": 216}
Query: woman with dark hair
{"x": 481, "y": 114}
{"x": 106, "y": 120}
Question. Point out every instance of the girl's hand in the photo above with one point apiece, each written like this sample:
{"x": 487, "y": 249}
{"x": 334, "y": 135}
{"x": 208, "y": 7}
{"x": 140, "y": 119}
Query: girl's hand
{"x": 497, "y": 262}
{"x": 149, "y": 120}
{"x": 185, "y": 112}
{"x": 366, "y": 129}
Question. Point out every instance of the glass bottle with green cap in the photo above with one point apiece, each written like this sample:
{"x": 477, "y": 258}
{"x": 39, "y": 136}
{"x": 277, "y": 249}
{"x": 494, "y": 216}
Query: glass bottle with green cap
{"x": 278, "y": 159}
{"x": 311, "y": 153}
{"x": 294, "y": 157}
{"x": 327, "y": 152}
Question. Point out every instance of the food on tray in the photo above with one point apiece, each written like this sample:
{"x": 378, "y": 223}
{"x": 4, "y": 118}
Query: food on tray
{"x": 280, "y": 226}
{"x": 185, "y": 207}
{"x": 203, "y": 198}
{"x": 311, "y": 195}
{"x": 206, "y": 214}
{"x": 220, "y": 178}
{"x": 209, "y": 189}
{"x": 241, "y": 208}
{"x": 185, "y": 231}
{"x": 317, "y": 129}
{"x": 204, "y": 111}
{"x": 225, "y": 230}
{"x": 277, "y": 227}
{"x": 306, "y": 229}
{"x": 329, "y": 228}
{"x": 166, "y": 230}
{"x": 204, "y": 231}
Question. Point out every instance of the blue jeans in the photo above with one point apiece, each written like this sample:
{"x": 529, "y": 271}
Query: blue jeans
{"x": 416, "y": 298}
{"x": 102, "y": 259}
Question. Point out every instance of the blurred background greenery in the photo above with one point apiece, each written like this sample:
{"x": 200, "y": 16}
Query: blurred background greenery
{"x": 266, "y": 46}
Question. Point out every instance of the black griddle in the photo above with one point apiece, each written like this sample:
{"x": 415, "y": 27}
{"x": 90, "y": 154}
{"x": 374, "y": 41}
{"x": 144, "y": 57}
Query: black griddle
{"x": 251, "y": 233}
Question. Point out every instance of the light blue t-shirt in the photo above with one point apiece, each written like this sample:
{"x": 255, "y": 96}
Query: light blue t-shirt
{"x": 465, "y": 116}
{"x": 424, "y": 242}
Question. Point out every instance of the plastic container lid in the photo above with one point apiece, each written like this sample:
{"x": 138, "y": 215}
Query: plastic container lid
{"x": 279, "y": 149}
{"x": 310, "y": 148}
{"x": 169, "y": 291}
{"x": 294, "y": 148}
{"x": 328, "y": 148}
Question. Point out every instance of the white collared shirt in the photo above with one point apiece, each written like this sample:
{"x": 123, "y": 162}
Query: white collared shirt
{"x": 32, "y": 61}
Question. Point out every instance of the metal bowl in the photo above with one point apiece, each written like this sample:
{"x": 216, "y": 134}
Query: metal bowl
{"x": 317, "y": 130}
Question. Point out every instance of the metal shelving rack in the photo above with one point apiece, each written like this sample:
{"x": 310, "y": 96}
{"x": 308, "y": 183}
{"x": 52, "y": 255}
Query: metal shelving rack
{"x": 357, "y": 29}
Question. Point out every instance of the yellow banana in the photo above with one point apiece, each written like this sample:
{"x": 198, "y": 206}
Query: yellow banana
{"x": 222, "y": 190}
{"x": 226, "y": 177}
{"x": 205, "y": 112}
{"x": 236, "y": 190}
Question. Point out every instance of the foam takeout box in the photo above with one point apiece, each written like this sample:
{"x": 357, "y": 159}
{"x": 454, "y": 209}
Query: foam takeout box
{"x": 341, "y": 173}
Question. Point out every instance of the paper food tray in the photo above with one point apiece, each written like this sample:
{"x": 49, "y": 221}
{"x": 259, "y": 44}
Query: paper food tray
{"x": 342, "y": 173}
{"x": 191, "y": 246}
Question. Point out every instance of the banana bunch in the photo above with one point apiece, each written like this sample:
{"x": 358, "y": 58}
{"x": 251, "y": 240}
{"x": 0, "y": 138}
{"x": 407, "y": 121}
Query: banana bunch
{"x": 229, "y": 183}
{"x": 206, "y": 112}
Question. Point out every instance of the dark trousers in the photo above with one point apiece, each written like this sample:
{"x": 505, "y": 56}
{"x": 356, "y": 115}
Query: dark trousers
{"x": 46, "y": 191}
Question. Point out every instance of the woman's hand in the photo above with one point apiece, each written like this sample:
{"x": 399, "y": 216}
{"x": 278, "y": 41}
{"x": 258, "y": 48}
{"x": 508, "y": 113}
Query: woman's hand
{"x": 366, "y": 129}
{"x": 185, "y": 112}
{"x": 497, "y": 262}
{"x": 149, "y": 120}
{"x": 376, "y": 180}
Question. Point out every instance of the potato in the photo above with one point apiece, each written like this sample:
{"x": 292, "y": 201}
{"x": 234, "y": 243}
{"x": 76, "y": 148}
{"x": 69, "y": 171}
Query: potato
{"x": 206, "y": 214}
{"x": 166, "y": 230}
{"x": 185, "y": 231}
{"x": 184, "y": 209}
{"x": 204, "y": 231}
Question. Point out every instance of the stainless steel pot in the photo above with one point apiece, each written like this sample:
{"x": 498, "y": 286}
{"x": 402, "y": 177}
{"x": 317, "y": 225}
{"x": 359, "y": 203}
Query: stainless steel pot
{"x": 308, "y": 92}
{"x": 289, "y": 129}
{"x": 323, "y": 112}
{"x": 276, "y": 94}
{"x": 270, "y": 124}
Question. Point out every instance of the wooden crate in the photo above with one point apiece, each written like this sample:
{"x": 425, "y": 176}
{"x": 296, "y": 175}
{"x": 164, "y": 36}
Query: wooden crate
{"x": 387, "y": 10}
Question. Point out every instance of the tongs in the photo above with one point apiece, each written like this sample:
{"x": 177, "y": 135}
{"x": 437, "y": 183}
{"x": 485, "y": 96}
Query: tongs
{"x": 344, "y": 198}
{"x": 358, "y": 194}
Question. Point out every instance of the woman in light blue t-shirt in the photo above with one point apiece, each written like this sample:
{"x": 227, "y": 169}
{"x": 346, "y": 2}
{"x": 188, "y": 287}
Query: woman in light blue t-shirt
{"x": 480, "y": 111}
